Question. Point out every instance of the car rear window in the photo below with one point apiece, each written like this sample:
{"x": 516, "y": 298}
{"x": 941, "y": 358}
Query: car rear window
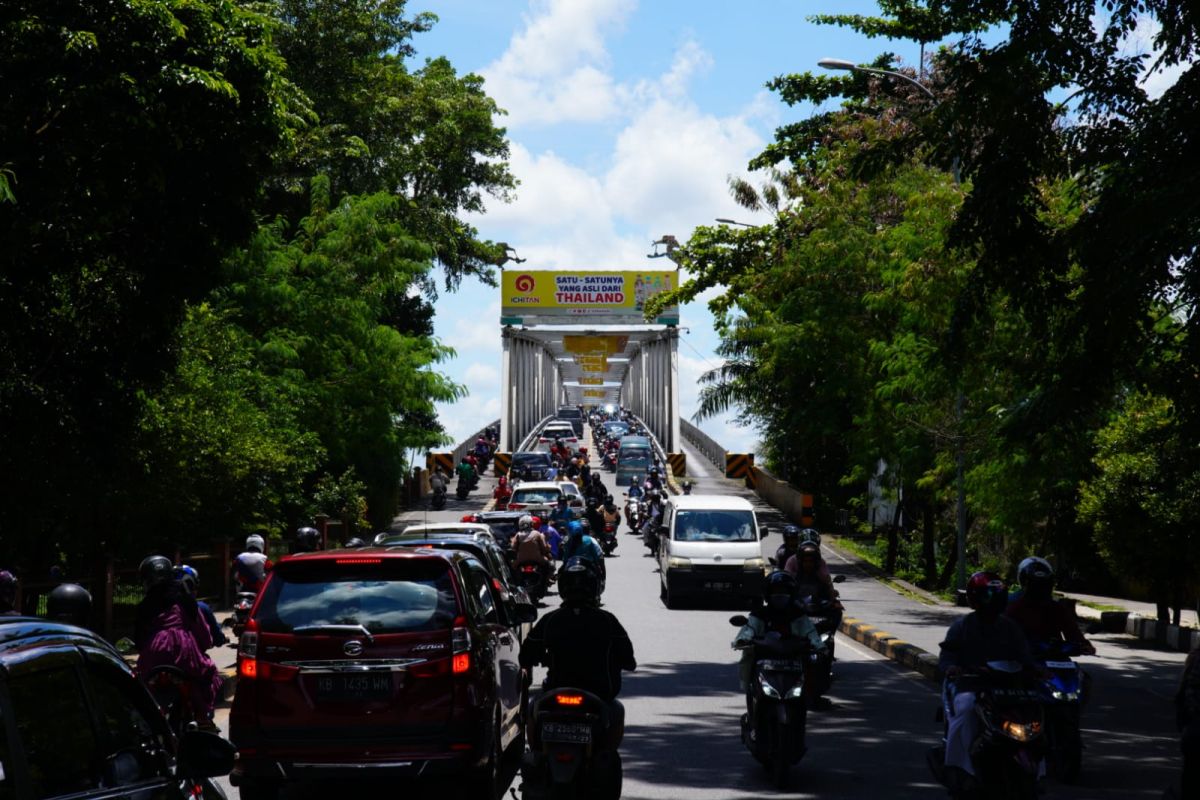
{"x": 533, "y": 459}
{"x": 383, "y": 595}
{"x": 569, "y": 413}
{"x": 535, "y": 496}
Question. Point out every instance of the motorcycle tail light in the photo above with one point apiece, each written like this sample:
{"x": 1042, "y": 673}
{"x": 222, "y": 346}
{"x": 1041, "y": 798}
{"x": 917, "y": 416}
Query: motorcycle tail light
{"x": 569, "y": 699}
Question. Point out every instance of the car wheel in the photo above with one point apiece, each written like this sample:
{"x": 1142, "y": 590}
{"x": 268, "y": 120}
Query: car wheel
{"x": 258, "y": 790}
{"x": 484, "y": 780}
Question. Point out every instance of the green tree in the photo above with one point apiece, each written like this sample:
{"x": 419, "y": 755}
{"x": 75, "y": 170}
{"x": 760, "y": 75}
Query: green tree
{"x": 134, "y": 136}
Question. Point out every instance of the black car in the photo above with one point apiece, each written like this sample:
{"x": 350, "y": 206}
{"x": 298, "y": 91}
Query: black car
{"x": 574, "y": 416}
{"x": 502, "y": 523}
{"x": 537, "y": 465}
{"x": 484, "y": 548}
{"x": 81, "y": 725}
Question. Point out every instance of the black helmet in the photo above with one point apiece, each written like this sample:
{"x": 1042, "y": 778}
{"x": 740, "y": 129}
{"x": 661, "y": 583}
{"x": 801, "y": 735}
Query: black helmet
{"x": 790, "y": 531}
{"x": 307, "y": 539}
{"x": 811, "y": 535}
{"x": 355, "y": 542}
{"x": 1036, "y": 577}
{"x": 8, "y": 587}
{"x": 780, "y": 589}
{"x": 578, "y": 583}
{"x": 69, "y": 603}
{"x": 155, "y": 570}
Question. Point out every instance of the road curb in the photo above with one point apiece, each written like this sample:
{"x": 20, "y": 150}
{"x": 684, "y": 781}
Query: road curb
{"x": 229, "y": 683}
{"x": 892, "y": 647}
{"x": 1172, "y": 637}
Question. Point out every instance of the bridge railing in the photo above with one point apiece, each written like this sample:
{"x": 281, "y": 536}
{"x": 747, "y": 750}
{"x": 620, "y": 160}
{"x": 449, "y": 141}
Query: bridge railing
{"x": 705, "y": 444}
{"x": 466, "y": 446}
{"x": 529, "y": 441}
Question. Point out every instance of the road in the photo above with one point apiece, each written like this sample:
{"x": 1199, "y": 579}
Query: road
{"x": 683, "y": 703}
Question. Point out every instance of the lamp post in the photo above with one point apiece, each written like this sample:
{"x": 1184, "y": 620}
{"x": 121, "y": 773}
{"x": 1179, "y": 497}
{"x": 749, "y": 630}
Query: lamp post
{"x": 959, "y": 459}
{"x": 726, "y": 221}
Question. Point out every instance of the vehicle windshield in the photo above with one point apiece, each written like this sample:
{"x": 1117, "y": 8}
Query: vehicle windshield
{"x": 705, "y": 525}
{"x": 536, "y": 496}
{"x": 532, "y": 459}
{"x": 639, "y": 457}
{"x": 391, "y": 596}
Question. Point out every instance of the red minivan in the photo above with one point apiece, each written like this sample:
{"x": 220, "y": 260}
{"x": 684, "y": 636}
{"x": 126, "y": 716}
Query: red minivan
{"x": 375, "y": 661}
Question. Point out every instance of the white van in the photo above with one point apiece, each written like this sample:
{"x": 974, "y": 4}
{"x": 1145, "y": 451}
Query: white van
{"x": 710, "y": 544}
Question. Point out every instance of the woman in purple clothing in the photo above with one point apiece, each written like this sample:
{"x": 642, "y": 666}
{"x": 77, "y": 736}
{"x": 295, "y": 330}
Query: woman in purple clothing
{"x": 170, "y": 631}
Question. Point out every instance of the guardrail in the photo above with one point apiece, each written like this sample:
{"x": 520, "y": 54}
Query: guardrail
{"x": 466, "y": 446}
{"x": 657, "y": 447}
{"x": 705, "y": 444}
{"x": 529, "y": 441}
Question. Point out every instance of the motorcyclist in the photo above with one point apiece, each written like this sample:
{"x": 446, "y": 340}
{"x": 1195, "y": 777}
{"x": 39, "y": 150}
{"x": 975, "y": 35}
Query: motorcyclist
{"x": 595, "y": 488}
{"x": 594, "y": 516}
{"x": 190, "y": 579}
{"x": 562, "y": 513}
{"x": 501, "y": 493}
{"x": 790, "y": 545}
{"x": 610, "y": 512}
{"x": 251, "y": 566}
{"x": 530, "y": 546}
{"x": 580, "y": 544}
{"x": 551, "y": 534}
{"x": 686, "y": 486}
{"x": 819, "y": 590}
{"x": 971, "y": 642}
{"x": 654, "y": 479}
{"x": 465, "y": 471}
{"x": 8, "y": 594}
{"x": 583, "y": 646}
{"x": 633, "y": 495}
{"x": 69, "y": 603}
{"x": 170, "y": 631}
{"x": 808, "y": 541}
{"x": 438, "y": 481}
{"x": 308, "y": 540}
{"x": 1044, "y": 619}
{"x": 779, "y": 612}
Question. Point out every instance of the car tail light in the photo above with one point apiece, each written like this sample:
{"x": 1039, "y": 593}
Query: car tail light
{"x": 468, "y": 518}
{"x": 460, "y": 646}
{"x": 358, "y": 560}
{"x": 250, "y": 667}
{"x": 515, "y": 506}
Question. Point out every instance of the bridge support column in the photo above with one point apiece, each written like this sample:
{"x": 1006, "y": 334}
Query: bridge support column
{"x": 506, "y": 391}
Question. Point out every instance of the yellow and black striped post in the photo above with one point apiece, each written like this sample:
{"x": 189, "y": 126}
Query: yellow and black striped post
{"x": 501, "y": 463}
{"x": 443, "y": 460}
{"x": 678, "y": 462}
{"x": 737, "y": 465}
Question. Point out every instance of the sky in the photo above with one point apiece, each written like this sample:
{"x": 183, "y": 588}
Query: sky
{"x": 626, "y": 120}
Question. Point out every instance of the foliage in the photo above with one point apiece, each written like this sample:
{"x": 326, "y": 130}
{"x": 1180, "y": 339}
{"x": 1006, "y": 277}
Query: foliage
{"x": 134, "y": 137}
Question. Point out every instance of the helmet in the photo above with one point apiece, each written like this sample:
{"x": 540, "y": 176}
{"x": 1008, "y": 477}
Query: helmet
{"x": 779, "y": 591}
{"x": 1036, "y": 577}
{"x": 575, "y": 527}
{"x": 562, "y": 499}
{"x": 811, "y": 535}
{"x": 503, "y": 481}
{"x": 791, "y": 532}
{"x": 633, "y": 480}
{"x": 307, "y": 539}
{"x": 578, "y": 583}
{"x": 525, "y": 523}
{"x": 70, "y": 603}
{"x": 608, "y": 498}
{"x": 8, "y": 587}
{"x": 536, "y": 523}
{"x": 808, "y": 550}
{"x": 654, "y": 470}
{"x": 355, "y": 542}
{"x": 986, "y": 592}
{"x": 585, "y": 526}
{"x": 256, "y": 543}
{"x": 188, "y": 577}
{"x": 155, "y": 570}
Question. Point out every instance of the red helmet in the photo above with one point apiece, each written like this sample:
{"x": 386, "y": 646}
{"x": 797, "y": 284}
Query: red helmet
{"x": 986, "y": 591}
{"x": 537, "y": 523}
{"x": 503, "y": 480}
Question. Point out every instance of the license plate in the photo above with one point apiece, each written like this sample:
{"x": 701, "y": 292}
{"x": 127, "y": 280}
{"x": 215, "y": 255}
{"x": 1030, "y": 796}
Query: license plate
{"x": 778, "y": 665}
{"x": 1060, "y": 665}
{"x": 375, "y": 686}
{"x": 719, "y": 586}
{"x": 568, "y": 732}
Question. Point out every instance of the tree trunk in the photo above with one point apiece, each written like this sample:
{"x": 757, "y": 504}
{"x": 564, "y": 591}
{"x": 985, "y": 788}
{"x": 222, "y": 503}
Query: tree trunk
{"x": 1164, "y": 611}
{"x": 950, "y": 565}
{"x": 928, "y": 552}
{"x": 893, "y": 548}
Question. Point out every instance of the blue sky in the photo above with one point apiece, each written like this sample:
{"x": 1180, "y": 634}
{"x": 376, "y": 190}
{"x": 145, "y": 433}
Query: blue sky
{"x": 626, "y": 118}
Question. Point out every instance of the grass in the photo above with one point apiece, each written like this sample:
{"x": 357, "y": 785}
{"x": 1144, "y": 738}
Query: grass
{"x": 1098, "y": 606}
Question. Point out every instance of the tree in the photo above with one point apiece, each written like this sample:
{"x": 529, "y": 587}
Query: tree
{"x": 134, "y": 138}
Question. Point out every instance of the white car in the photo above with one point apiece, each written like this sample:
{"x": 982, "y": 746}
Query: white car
{"x": 561, "y": 431}
{"x": 574, "y": 496}
{"x": 535, "y": 497}
{"x": 710, "y": 544}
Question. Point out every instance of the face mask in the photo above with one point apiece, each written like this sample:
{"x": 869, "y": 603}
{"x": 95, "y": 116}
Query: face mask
{"x": 779, "y": 601}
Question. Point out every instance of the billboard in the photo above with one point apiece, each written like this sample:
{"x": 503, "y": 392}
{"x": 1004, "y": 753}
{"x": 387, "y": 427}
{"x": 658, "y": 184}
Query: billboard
{"x": 594, "y": 393}
{"x": 591, "y": 381}
{"x": 599, "y": 345}
{"x": 531, "y": 297}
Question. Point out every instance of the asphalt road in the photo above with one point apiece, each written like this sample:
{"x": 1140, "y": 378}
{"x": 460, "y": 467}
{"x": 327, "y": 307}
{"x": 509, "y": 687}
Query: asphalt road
{"x": 683, "y": 704}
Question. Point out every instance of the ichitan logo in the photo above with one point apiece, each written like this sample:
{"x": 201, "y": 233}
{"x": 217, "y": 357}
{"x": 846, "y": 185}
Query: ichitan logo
{"x": 524, "y": 283}
{"x": 353, "y": 648}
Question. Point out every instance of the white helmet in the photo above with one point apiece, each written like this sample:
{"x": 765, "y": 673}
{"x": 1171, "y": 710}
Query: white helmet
{"x": 256, "y": 542}
{"x": 525, "y": 523}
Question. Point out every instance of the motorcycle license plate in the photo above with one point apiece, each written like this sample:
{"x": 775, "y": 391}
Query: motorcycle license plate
{"x": 567, "y": 732}
{"x": 719, "y": 586}
{"x": 778, "y": 665}
{"x": 342, "y": 688}
{"x": 1060, "y": 665}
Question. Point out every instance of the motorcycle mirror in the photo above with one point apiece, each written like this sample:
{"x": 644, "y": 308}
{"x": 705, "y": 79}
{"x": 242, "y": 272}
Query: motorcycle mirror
{"x": 771, "y": 560}
{"x": 526, "y": 612}
{"x": 738, "y": 620}
{"x": 839, "y": 578}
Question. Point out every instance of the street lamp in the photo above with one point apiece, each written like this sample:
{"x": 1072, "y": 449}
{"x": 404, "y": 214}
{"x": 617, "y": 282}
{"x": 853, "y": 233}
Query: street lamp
{"x": 961, "y": 541}
{"x": 725, "y": 221}
{"x": 850, "y": 66}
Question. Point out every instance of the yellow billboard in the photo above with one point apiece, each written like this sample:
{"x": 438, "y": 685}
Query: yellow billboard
{"x": 591, "y": 381}
{"x": 594, "y": 393}
{"x": 592, "y": 363}
{"x": 602, "y": 345}
{"x": 550, "y": 297}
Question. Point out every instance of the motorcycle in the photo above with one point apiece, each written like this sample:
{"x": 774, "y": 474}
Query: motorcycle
{"x": 241, "y": 613}
{"x": 1008, "y": 752}
{"x": 438, "y": 500}
{"x": 608, "y": 538}
{"x": 1063, "y": 695}
{"x": 650, "y": 535}
{"x": 463, "y": 490}
{"x": 533, "y": 576}
{"x": 572, "y": 749}
{"x": 773, "y": 729}
{"x": 610, "y": 461}
{"x": 825, "y": 618}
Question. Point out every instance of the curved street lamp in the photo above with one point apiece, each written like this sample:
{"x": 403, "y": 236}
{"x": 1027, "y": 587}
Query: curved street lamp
{"x": 850, "y": 66}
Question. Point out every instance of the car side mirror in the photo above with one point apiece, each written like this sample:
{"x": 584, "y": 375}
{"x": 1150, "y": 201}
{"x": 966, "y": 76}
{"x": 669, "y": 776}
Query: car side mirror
{"x": 764, "y": 532}
{"x": 204, "y": 755}
{"x": 526, "y": 612}
{"x": 738, "y": 620}
{"x": 839, "y": 578}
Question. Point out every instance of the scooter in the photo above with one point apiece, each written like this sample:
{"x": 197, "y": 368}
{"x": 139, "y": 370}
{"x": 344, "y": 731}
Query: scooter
{"x": 533, "y": 576}
{"x": 608, "y": 538}
{"x": 774, "y": 726}
{"x": 1008, "y": 753}
{"x": 438, "y": 500}
{"x": 241, "y": 613}
{"x": 572, "y": 749}
{"x": 650, "y": 536}
{"x": 1063, "y": 695}
{"x": 463, "y": 490}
